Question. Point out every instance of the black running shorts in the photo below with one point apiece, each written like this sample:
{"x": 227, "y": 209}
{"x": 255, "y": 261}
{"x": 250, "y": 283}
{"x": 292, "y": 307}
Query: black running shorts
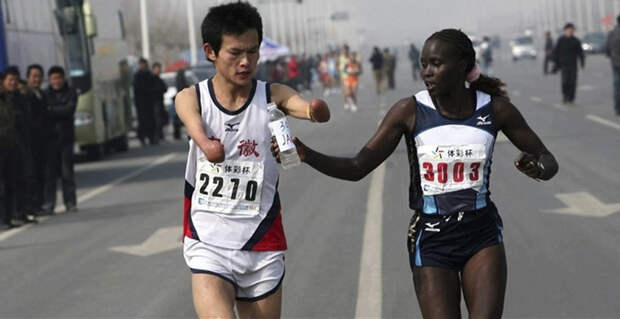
{"x": 448, "y": 241}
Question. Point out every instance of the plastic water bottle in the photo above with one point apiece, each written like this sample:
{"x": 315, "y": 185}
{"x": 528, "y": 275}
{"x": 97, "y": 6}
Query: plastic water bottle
{"x": 279, "y": 128}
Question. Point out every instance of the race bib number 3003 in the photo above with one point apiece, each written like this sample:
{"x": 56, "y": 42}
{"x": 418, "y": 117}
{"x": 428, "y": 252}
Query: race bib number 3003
{"x": 445, "y": 169}
{"x": 232, "y": 187}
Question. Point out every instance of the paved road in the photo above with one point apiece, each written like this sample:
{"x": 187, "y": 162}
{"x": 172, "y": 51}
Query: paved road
{"x": 347, "y": 254}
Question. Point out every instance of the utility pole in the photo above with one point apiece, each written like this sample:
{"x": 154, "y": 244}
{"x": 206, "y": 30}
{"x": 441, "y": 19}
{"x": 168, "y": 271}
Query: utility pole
{"x": 273, "y": 24}
{"x": 144, "y": 26}
{"x": 589, "y": 17}
{"x": 193, "y": 57}
{"x": 601, "y": 13}
{"x": 579, "y": 12}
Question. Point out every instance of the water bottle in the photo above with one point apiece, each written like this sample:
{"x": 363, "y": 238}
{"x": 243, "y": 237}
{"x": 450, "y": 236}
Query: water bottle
{"x": 279, "y": 128}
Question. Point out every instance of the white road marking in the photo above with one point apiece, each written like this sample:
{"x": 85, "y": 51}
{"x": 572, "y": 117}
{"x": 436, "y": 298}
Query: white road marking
{"x": 163, "y": 239}
{"x": 369, "y": 287}
{"x": 100, "y": 190}
{"x": 584, "y": 204}
{"x": 501, "y": 138}
{"x": 586, "y": 87}
{"x": 535, "y": 99}
{"x": 603, "y": 121}
{"x": 559, "y": 107}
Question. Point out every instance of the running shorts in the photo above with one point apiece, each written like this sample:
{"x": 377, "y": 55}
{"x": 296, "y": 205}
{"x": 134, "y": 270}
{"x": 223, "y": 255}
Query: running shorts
{"x": 254, "y": 274}
{"x": 449, "y": 241}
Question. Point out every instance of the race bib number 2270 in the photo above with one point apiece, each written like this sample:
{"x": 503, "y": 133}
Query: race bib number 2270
{"x": 232, "y": 187}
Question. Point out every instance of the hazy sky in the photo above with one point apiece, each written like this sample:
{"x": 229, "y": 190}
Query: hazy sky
{"x": 394, "y": 22}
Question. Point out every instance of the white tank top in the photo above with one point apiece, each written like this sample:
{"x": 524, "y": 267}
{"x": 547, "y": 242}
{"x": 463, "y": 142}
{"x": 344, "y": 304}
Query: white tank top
{"x": 234, "y": 204}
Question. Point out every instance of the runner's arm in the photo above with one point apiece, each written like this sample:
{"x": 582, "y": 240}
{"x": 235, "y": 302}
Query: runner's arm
{"x": 397, "y": 122}
{"x": 535, "y": 160}
{"x": 296, "y": 106}
{"x": 186, "y": 105}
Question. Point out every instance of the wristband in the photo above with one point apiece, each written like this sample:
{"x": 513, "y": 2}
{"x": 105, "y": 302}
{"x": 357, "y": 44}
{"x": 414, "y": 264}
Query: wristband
{"x": 309, "y": 114}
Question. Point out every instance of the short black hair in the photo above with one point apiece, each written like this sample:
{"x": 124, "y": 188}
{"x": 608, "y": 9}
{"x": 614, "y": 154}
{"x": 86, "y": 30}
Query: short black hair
{"x": 143, "y": 60}
{"x": 569, "y": 26}
{"x": 56, "y": 69}
{"x": 12, "y": 70}
{"x": 233, "y": 18}
{"x": 156, "y": 64}
{"x": 34, "y": 67}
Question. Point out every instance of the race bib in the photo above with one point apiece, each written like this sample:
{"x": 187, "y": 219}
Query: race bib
{"x": 445, "y": 169}
{"x": 231, "y": 187}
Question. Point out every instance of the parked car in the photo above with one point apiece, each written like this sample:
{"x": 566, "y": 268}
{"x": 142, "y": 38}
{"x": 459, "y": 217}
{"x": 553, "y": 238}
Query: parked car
{"x": 170, "y": 80}
{"x": 523, "y": 47}
{"x": 595, "y": 42}
{"x": 204, "y": 71}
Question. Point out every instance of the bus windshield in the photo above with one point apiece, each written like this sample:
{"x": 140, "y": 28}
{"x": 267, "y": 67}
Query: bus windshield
{"x": 71, "y": 25}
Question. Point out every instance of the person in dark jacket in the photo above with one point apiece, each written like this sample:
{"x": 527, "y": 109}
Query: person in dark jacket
{"x": 613, "y": 52}
{"x": 143, "y": 98}
{"x": 181, "y": 83}
{"x": 566, "y": 54}
{"x": 376, "y": 59}
{"x": 39, "y": 129}
{"x": 61, "y": 103}
{"x": 158, "y": 88}
{"x": 548, "y": 52}
{"x": 25, "y": 168}
{"x": 8, "y": 161}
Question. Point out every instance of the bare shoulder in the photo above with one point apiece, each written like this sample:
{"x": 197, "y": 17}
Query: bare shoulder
{"x": 403, "y": 112}
{"x": 186, "y": 97}
{"x": 187, "y": 93}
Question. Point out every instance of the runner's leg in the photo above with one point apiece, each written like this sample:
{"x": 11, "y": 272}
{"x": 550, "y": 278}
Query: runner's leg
{"x": 438, "y": 291}
{"x": 214, "y": 297}
{"x": 267, "y": 308}
{"x": 484, "y": 282}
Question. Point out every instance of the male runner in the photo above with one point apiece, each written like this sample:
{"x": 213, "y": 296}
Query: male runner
{"x": 233, "y": 236}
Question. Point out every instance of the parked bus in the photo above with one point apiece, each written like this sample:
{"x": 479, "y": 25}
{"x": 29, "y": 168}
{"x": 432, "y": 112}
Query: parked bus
{"x": 88, "y": 38}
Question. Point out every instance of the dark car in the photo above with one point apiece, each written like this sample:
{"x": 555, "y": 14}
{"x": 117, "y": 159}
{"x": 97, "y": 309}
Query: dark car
{"x": 595, "y": 42}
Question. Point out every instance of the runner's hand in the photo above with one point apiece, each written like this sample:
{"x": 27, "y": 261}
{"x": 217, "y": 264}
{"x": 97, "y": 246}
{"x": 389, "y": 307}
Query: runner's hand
{"x": 214, "y": 150}
{"x": 275, "y": 150}
{"x": 319, "y": 111}
{"x": 527, "y": 164}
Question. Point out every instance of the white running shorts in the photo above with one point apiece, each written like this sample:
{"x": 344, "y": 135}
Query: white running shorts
{"x": 254, "y": 274}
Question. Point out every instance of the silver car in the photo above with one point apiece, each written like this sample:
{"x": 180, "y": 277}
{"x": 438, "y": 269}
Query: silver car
{"x": 523, "y": 47}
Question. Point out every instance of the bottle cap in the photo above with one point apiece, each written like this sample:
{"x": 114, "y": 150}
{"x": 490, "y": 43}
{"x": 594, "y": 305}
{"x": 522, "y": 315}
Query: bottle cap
{"x": 272, "y": 106}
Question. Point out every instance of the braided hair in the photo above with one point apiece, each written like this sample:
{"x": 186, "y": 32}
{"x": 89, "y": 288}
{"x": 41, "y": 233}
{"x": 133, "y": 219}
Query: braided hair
{"x": 487, "y": 84}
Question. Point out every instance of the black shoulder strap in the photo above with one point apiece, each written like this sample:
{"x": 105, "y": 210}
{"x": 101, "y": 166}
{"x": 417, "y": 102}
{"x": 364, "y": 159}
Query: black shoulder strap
{"x": 198, "y": 97}
{"x": 268, "y": 91}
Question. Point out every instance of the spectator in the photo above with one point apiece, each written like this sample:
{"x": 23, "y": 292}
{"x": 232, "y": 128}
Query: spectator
{"x": 8, "y": 161}
{"x": 158, "y": 88}
{"x": 565, "y": 55}
{"x": 61, "y": 103}
{"x": 25, "y": 168}
{"x": 143, "y": 98}
{"x": 389, "y": 66}
{"x": 548, "y": 52}
{"x": 613, "y": 52}
{"x": 486, "y": 53}
{"x": 39, "y": 129}
{"x": 293, "y": 72}
{"x": 414, "y": 57}
{"x": 181, "y": 83}
{"x": 376, "y": 59}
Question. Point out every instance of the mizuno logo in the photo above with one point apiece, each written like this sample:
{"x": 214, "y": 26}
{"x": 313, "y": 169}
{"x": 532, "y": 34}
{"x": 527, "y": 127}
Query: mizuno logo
{"x": 231, "y": 127}
{"x": 431, "y": 227}
{"x": 482, "y": 120}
